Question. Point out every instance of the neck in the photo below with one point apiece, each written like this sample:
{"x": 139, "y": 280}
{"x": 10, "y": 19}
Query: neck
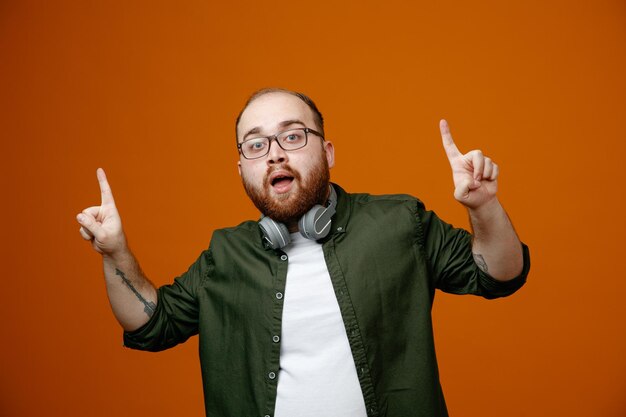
{"x": 292, "y": 227}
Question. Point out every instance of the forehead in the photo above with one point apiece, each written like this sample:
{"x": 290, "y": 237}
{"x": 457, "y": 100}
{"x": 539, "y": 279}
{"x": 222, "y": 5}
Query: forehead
{"x": 267, "y": 112}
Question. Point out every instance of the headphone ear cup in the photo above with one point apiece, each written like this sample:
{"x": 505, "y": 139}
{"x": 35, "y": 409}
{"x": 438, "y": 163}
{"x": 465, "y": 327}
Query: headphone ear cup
{"x": 315, "y": 224}
{"x": 306, "y": 225}
{"x": 275, "y": 234}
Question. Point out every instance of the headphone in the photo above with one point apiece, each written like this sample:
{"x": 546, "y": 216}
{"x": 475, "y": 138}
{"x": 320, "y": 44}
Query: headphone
{"x": 314, "y": 225}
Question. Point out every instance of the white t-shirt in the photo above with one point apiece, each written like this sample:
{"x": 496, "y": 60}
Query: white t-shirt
{"x": 317, "y": 374}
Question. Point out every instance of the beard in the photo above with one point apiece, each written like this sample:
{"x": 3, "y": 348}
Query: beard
{"x": 288, "y": 208}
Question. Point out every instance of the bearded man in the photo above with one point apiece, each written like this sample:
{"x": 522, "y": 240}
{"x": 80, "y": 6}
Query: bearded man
{"x": 323, "y": 306}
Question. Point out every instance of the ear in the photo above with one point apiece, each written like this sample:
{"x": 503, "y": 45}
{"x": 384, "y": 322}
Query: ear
{"x": 329, "y": 149}
{"x": 239, "y": 167}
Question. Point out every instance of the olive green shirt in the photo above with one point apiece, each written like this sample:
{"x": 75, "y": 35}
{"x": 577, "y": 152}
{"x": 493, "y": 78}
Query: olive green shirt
{"x": 386, "y": 255}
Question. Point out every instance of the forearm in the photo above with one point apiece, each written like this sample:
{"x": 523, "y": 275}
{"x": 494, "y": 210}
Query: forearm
{"x": 497, "y": 249}
{"x": 132, "y": 296}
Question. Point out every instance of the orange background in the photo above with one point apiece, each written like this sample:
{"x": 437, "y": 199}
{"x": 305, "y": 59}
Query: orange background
{"x": 150, "y": 90}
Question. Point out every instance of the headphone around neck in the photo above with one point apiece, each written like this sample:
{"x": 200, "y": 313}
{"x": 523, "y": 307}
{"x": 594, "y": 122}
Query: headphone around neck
{"x": 314, "y": 225}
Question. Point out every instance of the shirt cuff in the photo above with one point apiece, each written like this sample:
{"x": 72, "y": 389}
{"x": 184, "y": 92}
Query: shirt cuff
{"x": 494, "y": 288}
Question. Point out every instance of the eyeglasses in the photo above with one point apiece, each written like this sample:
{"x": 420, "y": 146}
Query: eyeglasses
{"x": 289, "y": 140}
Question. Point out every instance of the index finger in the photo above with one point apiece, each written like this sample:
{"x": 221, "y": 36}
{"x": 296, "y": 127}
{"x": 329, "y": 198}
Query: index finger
{"x": 105, "y": 189}
{"x": 448, "y": 143}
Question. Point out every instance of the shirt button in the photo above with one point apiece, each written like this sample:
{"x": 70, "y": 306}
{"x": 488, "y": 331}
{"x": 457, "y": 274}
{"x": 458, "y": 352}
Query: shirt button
{"x": 271, "y": 375}
{"x": 279, "y": 295}
{"x": 267, "y": 415}
{"x": 283, "y": 257}
{"x": 339, "y": 229}
{"x": 276, "y": 338}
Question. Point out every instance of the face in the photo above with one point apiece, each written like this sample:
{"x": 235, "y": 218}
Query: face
{"x": 284, "y": 185}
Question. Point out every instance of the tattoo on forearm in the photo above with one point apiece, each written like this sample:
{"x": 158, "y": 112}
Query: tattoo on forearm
{"x": 480, "y": 261}
{"x": 149, "y": 306}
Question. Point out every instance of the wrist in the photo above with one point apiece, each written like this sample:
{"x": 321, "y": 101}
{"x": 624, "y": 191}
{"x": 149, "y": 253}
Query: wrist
{"x": 118, "y": 254}
{"x": 487, "y": 210}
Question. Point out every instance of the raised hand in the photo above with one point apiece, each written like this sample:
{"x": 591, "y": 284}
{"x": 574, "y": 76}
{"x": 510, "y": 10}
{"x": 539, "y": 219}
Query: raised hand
{"x": 474, "y": 175}
{"x": 102, "y": 224}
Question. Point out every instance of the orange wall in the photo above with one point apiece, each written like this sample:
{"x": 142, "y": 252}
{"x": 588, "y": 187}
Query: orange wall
{"x": 149, "y": 91}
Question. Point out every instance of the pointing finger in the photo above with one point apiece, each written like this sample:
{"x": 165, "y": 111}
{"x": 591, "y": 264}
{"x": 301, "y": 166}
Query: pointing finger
{"x": 448, "y": 143}
{"x": 105, "y": 189}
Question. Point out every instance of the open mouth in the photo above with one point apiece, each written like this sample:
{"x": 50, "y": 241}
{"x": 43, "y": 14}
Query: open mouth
{"x": 281, "y": 181}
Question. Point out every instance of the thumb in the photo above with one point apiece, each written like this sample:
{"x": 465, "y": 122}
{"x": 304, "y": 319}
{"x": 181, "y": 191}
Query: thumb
{"x": 462, "y": 191}
{"x": 88, "y": 222}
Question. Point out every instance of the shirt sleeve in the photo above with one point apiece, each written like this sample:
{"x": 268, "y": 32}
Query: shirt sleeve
{"x": 449, "y": 251}
{"x": 176, "y": 316}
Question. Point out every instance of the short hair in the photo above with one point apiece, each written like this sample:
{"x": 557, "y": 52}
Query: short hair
{"x": 317, "y": 115}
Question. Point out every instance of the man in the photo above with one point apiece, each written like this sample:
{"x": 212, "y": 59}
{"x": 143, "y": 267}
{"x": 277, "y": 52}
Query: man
{"x": 322, "y": 307}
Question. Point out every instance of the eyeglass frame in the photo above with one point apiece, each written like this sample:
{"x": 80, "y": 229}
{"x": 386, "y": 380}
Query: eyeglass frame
{"x": 273, "y": 138}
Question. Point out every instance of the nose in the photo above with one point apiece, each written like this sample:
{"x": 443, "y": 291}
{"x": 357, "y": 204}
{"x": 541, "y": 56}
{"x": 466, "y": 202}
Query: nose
{"x": 276, "y": 154}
